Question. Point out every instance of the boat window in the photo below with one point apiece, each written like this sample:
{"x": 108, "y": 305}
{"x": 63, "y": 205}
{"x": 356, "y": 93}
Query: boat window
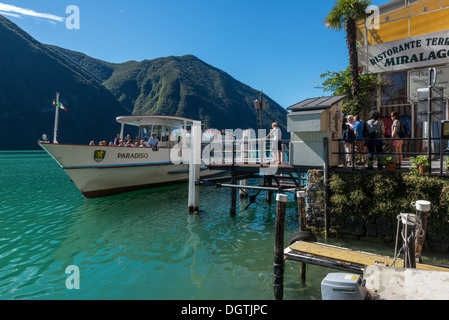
{"x": 145, "y": 132}
{"x": 158, "y": 131}
{"x": 166, "y": 131}
{"x": 176, "y": 135}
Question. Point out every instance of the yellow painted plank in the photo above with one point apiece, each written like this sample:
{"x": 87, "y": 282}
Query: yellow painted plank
{"x": 351, "y": 256}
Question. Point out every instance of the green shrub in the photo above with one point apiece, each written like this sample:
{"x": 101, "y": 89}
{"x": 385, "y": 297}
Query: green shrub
{"x": 366, "y": 197}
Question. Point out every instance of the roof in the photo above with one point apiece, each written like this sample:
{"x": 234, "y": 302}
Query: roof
{"x": 316, "y": 103}
{"x": 172, "y": 121}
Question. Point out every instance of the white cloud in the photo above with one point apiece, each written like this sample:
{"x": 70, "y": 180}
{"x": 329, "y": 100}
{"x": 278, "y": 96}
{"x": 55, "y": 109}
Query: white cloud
{"x": 14, "y": 11}
{"x": 15, "y": 15}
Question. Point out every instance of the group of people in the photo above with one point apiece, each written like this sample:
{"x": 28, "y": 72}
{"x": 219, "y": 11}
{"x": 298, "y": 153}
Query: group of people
{"x": 370, "y": 136}
{"x": 152, "y": 142}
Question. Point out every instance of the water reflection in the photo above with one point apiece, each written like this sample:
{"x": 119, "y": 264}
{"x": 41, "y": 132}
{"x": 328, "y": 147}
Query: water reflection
{"x": 143, "y": 244}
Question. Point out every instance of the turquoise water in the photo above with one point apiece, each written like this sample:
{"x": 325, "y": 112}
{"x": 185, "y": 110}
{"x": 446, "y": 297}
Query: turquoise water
{"x": 139, "y": 245}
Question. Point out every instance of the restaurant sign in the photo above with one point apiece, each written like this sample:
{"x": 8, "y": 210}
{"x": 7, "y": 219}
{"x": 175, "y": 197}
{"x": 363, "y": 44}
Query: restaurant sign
{"x": 419, "y": 78}
{"x": 418, "y": 51}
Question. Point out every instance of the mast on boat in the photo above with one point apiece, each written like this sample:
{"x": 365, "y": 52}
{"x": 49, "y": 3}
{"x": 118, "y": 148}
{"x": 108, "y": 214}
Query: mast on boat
{"x": 55, "y": 131}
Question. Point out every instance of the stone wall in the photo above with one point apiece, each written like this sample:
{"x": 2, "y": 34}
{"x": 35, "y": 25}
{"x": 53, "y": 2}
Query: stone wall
{"x": 373, "y": 229}
{"x": 315, "y": 200}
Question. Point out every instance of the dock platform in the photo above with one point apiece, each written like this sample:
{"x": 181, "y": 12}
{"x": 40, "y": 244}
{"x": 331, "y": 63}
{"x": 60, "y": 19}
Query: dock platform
{"x": 383, "y": 281}
{"x": 344, "y": 259}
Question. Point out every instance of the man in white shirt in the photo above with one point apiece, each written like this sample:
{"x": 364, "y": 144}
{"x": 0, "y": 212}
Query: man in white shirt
{"x": 276, "y": 140}
{"x": 153, "y": 142}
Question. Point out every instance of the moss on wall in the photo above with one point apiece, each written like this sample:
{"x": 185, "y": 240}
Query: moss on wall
{"x": 369, "y": 203}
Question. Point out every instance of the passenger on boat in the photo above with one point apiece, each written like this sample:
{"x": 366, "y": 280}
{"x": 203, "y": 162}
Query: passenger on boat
{"x": 92, "y": 143}
{"x": 128, "y": 138}
{"x": 117, "y": 139}
{"x": 153, "y": 142}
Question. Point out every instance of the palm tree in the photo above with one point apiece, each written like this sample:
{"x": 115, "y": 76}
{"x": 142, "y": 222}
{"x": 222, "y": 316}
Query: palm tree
{"x": 345, "y": 14}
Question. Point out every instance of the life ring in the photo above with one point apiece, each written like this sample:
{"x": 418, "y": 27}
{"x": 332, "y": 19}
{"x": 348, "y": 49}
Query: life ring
{"x": 302, "y": 236}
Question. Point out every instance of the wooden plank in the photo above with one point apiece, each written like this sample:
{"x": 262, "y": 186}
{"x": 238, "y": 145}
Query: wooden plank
{"x": 345, "y": 257}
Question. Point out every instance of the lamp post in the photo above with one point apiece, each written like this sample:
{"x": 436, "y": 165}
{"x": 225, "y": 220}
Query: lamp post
{"x": 259, "y": 105}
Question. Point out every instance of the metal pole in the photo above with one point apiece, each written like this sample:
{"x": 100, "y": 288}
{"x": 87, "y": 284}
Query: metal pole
{"x": 326, "y": 173}
{"x": 194, "y": 168}
{"x": 432, "y": 75}
{"x": 55, "y": 132}
{"x": 261, "y": 105}
{"x": 422, "y": 213}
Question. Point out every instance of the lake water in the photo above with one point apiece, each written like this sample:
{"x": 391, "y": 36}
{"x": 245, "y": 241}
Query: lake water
{"x": 140, "y": 245}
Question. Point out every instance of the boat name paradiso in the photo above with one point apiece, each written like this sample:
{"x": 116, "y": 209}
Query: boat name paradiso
{"x": 132, "y": 155}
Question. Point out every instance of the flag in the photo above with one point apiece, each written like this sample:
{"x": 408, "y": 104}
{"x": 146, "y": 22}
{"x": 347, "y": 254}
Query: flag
{"x": 60, "y": 105}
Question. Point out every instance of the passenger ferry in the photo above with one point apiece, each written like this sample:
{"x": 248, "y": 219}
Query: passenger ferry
{"x": 108, "y": 169}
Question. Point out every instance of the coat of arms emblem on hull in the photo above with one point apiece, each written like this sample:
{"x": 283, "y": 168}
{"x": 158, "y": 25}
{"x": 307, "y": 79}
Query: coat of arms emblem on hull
{"x": 99, "y": 155}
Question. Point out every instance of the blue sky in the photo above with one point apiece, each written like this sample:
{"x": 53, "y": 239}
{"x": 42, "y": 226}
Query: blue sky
{"x": 278, "y": 46}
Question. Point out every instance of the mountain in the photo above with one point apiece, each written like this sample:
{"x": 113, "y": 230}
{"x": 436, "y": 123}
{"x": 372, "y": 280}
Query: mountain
{"x": 95, "y": 92}
{"x": 182, "y": 86}
{"x": 31, "y": 74}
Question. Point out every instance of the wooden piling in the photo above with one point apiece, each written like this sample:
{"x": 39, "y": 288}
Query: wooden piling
{"x": 301, "y": 199}
{"x": 269, "y": 193}
{"x": 233, "y": 208}
{"x": 278, "y": 285}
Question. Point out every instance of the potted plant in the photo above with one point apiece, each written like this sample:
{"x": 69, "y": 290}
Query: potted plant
{"x": 389, "y": 162}
{"x": 421, "y": 163}
{"x": 360, "y": 159}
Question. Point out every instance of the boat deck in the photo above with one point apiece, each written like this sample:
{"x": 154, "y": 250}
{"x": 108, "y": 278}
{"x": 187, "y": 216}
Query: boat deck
{"x": 343, "y": 258}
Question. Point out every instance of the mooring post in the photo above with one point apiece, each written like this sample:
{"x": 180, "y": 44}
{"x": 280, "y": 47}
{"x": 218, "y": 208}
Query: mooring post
{"x": 243, "y": 193}
{"x": 233, "y": 196}
{"x": 301, "y": 199}
{"x": 422, "y": 212}
{"x": 278, "y": 285}
{"x": 269, "y": 193}
{"x": 194, "y": 168}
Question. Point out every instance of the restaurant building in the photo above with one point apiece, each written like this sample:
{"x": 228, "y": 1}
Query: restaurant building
{"x": 400, "y": 42}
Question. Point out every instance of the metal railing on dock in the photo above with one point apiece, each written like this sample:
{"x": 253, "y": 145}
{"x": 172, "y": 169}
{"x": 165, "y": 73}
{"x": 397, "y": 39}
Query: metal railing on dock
{"x": 233, "y": 151}
{"x": 358, "y": 151}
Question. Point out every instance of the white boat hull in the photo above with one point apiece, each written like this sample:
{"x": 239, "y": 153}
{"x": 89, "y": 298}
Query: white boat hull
{"x": 104, "y": 170}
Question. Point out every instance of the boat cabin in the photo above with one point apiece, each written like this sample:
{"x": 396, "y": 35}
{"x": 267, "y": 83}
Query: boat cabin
{"x": 168, "y": 129}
